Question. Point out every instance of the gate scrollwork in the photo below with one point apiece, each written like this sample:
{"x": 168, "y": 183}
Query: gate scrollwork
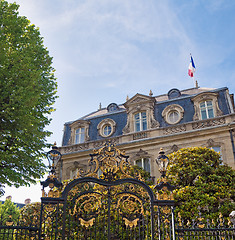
{"x": 108, "y": 201}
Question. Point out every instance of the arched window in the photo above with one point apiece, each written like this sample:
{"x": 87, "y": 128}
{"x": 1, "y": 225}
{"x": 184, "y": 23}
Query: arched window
{"x": 140, "y": 120}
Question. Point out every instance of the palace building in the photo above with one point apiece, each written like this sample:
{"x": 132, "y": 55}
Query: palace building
{"x": 145, "y": 123}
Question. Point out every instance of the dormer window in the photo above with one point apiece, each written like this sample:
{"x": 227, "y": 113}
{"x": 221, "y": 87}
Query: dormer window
{"x": 140, "y": 121}
{"x": 79, "y": 132}
{"x": 174, "y": 93}
{"x": 206, "y": 106}
{"x": 173, "y": 113}
{"x": 206, "y": 109}
{"x": 140, "y": 114}
{"x": 106, "y": 127}
{"x": 112, "y": 107}
{"x": 80, "y": 135}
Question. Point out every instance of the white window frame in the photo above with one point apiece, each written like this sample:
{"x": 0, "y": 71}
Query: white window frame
{"x": 76, "y": 125}
{"x": 107, "y": 129}
{"x": 141, "y": 121}
{"x": 80, "y": 135}
{"x": 103, "y": 124}
{"x": 206, "y": 109}
{"x": 140, "y": 103}
{"x": 173, "y": 108}
{"x": 142, "y": 163}
{"x": 202, "y": 97}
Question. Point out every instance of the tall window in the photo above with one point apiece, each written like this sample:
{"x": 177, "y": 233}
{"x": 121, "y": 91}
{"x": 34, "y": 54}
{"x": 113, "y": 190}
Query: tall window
{"x": 206, "y": 109}
{"x": 80, "y": 135}
{"x": 144, "y": 163}
{"x": 140, "y": 121}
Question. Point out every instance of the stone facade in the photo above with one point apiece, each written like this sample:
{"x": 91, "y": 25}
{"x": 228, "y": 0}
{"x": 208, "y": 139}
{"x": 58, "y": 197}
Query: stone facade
{"x": 143, "y": 124}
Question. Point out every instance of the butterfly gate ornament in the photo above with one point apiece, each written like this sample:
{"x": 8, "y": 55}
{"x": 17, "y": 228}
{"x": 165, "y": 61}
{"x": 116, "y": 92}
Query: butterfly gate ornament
{"x": 109, "y": 200}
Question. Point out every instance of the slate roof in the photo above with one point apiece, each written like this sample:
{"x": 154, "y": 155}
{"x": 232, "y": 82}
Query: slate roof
{"x": 120, "y": 115}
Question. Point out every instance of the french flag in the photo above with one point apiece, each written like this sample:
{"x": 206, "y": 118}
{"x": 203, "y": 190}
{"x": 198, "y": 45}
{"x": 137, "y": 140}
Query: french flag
{"x": 191, "y": 67}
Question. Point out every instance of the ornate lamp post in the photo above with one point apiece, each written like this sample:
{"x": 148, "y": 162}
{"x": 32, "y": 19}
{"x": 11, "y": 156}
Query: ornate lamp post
{"x": 53, "y": 157}
{"x": 165, "y": 200}
{"x": 162, "y": 161}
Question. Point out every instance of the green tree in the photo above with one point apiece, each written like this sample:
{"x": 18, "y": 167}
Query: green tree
{"x": 27, "y": 92}
{"x": 203, "y": 183}
{"x": 9, "y": 212}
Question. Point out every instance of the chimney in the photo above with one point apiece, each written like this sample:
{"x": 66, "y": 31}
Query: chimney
{"x": 27, "y": 201}
{"x": 9, "y": 197}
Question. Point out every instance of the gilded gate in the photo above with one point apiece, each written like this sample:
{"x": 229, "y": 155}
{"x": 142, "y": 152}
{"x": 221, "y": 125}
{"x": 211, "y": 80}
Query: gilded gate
{"x": 109, "y": 201}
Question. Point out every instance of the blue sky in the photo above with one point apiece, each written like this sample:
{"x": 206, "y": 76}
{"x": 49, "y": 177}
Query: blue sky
{"x": 105, "y": 50}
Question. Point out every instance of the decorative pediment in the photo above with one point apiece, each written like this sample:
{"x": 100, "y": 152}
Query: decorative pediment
{"x": 79, "y": 123}
{"x": 205, "y": 96}
{"x": 140, "y": 103}
{"x": 138, "y": 99}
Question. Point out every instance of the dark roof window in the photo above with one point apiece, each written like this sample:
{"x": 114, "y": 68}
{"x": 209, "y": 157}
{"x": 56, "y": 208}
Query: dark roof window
{"x": 174, "y": 93}
{"x": 112, "y": 107}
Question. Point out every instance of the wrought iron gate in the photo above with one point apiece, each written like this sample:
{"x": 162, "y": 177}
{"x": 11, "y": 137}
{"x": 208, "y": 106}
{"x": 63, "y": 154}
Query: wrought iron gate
{"x": 110, "y": 201}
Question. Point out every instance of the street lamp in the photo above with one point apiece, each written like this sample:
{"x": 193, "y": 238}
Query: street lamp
{"x": 162, "y": 162}
{"x": 53, "y": 157}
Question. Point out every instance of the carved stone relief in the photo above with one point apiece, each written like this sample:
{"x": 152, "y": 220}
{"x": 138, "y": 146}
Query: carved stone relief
{"x": 172, "y": 130}
{"x": 208, "y": 123}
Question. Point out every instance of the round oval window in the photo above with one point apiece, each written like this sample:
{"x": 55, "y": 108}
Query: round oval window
{"x": 107, "y": 130}
{"x": 173, "y": 116}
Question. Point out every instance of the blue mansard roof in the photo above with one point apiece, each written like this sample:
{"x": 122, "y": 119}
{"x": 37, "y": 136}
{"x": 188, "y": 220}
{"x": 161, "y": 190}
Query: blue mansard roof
{"x": 118, "y": 113}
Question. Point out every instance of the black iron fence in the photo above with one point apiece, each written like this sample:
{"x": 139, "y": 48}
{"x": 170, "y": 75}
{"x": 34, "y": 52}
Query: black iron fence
{"x": 205, "y": 234}
{"x": 203, "y": 229}
{"x": 18, "y": 232}
{"x": 184, "y": 230}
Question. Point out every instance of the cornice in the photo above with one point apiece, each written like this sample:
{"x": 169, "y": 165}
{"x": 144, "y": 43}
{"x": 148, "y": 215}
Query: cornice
{"x": 179, "y": 131}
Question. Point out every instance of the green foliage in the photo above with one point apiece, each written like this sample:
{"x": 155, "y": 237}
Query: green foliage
{"x": 9, "y": 211}
{"x": 203, "y": 183}
{"x": 27, "y": 92}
